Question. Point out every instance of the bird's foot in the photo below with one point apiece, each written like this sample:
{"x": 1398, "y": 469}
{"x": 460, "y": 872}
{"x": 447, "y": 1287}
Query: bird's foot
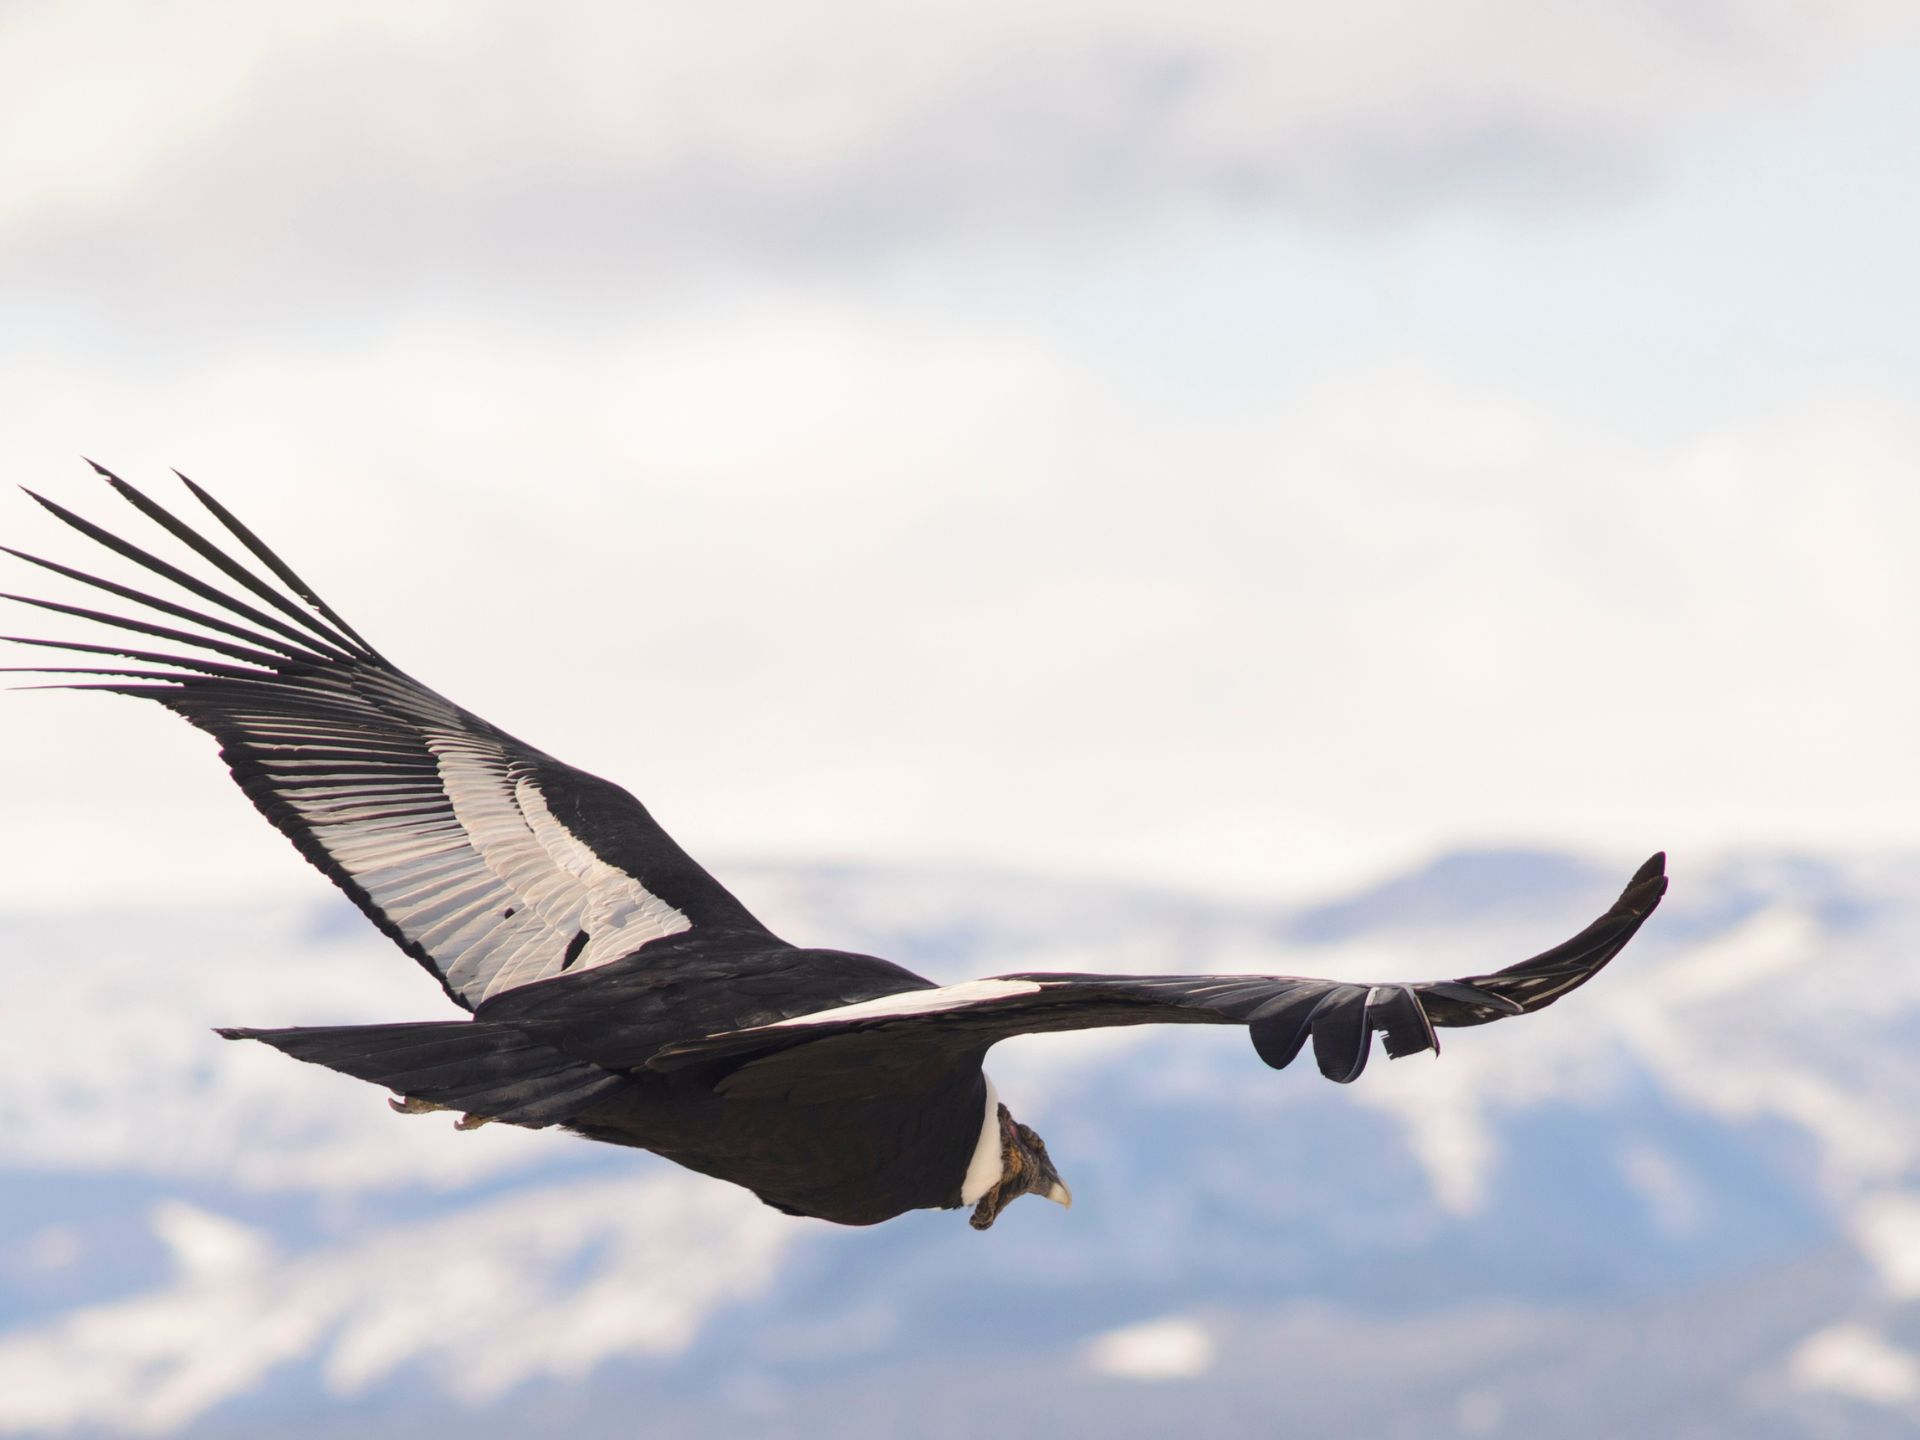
{"x": 414, "y": 1105}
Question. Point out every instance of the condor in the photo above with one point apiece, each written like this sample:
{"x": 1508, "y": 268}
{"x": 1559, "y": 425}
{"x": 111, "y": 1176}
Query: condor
{"x": 615, "y": 988}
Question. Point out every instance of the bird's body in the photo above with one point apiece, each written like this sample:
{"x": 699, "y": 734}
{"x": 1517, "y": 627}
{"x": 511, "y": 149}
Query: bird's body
{"x": 856, "y": 1162}
{"x": 616, "y": 988}
{"x": 888, "y": 1144}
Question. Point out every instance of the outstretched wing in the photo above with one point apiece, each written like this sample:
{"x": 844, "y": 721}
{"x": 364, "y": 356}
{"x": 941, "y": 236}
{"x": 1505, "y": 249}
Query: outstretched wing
{"x": 490, "y": 863}
{"x": 824, "y": 1053}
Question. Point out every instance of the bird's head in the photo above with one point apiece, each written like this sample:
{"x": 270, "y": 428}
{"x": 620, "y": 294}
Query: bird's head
{"x": 1024, "y": 1170}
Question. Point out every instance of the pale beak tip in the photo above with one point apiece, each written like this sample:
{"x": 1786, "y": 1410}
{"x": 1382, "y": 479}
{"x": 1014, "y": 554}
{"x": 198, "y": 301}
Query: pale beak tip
{"x": 1060, "y": 1195}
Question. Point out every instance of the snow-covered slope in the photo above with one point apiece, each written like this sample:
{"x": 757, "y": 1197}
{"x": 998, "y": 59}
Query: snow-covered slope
{"x": 1689, "y": 1194}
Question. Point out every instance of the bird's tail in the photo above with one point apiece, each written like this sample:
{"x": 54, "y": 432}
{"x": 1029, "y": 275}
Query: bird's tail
{"x": 492, "y": 1072}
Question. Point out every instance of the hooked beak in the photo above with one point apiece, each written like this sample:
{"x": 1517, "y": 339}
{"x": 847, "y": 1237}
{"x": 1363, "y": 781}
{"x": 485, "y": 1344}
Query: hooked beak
{"x": 998, "y": 1198}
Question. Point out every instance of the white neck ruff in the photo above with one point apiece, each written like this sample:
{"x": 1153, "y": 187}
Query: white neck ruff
{"x": 983, "y": 1171}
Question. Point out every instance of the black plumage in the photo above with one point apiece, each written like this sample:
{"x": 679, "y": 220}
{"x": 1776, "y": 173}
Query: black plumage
{"x": 615, "y": 987}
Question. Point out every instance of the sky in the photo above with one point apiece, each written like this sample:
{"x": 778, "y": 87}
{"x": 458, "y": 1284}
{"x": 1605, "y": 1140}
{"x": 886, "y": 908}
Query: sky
{"x": 1240, "y": 448}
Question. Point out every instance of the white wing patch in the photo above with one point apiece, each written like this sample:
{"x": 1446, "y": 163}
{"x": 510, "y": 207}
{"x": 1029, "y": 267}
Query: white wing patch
{"x": 459, "y": 849}
{"x": 445, "y": 831}
{"x": 917, "y": 1002}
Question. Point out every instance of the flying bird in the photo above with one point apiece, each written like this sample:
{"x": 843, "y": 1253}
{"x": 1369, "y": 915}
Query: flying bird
{"x": 616, "y": 989}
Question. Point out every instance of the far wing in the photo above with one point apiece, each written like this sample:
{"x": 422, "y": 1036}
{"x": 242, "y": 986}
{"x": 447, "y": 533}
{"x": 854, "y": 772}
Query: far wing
{"x": 825, "y": 1051}
{"x": 490, "y": 863}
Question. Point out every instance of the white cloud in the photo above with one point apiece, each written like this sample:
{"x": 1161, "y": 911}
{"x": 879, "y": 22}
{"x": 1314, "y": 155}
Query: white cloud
{"x": 1175, "y": 1348}
{"x": 1856, "y": 1362}
{"x": 279, "y": 160}
{"x": 207, "y": 1248}
{"x": 483, "y": 1300}
{"x": 1887, "y": 1228}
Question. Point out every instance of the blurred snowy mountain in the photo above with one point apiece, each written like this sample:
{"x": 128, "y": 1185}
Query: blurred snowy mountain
{"x": 1685, "y": 1201}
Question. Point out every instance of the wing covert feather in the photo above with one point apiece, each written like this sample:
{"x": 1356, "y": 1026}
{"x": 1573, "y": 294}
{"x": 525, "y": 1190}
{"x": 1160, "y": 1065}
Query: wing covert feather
{"x": 492, "y": 864}
{"x": 1282, "y": 1012}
